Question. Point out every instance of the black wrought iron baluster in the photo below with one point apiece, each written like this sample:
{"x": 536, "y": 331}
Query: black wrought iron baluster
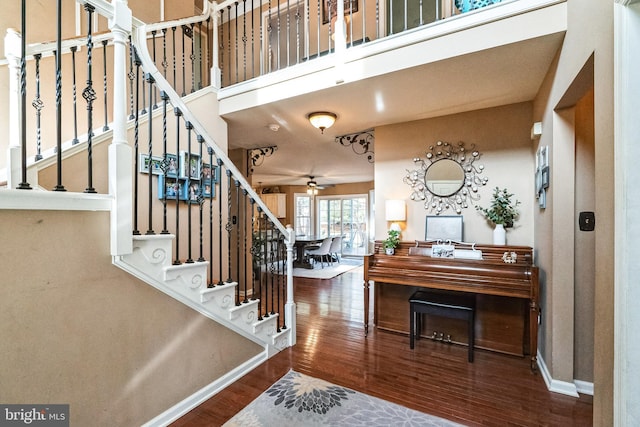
{"x": 213, "y": 186}
{"x": 73, "y": 82}
{"x": 229, "y": 39}
{"x": 165, "y": 64}
{"x": 221, "y": 46}
{"x": 261, "y": 258}
{"x": 23, "y": 185}
{"x": 176, "y": 261}
{"x": 288, "y": 34}
{"x": 104, "y": 79}
{"x": 269, "y": 30}
{"x": 201, "y": 188}
{"x": 229, "y": 226}
{"x": 377, "y": 19}
{"x": 330, "y": 32}
{"x": 192, "y": 57}
{"x": 58, "y": 57}
{"x": 254, "y": 251}
{"x": 200, "y": 55}
{"x": 283, "y": 283}
{"x": 318, "y": 27}
{"x": 245, "y": 248}
{"x": 220, "y": 282}
{"x": 136, "y": 150}
{"x": 144, "y": 96}
{"x": 184, "y": 82}
{"x": 209, "y": 44}
{"x": 253, "y": 43}
{"x": 405, "y": 16}
{"x": 151, "y": 82}
{"x": 420, "y": 9}
{"x": 297, "y": 32}
{"x": 175, "y": 87}
{"x": 165, "y": 161}
{"x": 89, "y": 96}
{"x": 244, "y": 39}
{"x": 188, "y": 169}
{"x": 38, "y": 105}
{"x": 236, "y": 22}
{"x": 153, "y": 41}
{"x": 260, "y": 48}
{"x": 278, "y": 35}
{"x": 131, "y": 76}
{"x": 235, "y": 221}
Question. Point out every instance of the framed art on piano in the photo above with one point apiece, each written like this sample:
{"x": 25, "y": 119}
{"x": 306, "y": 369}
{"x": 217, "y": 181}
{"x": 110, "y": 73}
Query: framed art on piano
{"x": 444, "y": 228}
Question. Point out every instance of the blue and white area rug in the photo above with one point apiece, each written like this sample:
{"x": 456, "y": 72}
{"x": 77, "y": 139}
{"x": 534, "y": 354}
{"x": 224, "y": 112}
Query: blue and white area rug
{"x": 299, "y": 400}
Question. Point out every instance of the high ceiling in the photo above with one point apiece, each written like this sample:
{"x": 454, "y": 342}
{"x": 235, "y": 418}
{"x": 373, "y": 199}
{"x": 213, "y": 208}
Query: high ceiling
{"x": 501, "y": 75}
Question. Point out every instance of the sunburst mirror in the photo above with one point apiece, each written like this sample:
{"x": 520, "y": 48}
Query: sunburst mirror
{"x": 447, "y": 179}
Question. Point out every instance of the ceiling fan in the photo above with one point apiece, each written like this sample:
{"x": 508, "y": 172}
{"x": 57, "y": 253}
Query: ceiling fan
{"x": 312, "y": 184}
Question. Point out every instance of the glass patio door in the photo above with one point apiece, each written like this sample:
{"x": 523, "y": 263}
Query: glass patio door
{"x": 345, "y": 216}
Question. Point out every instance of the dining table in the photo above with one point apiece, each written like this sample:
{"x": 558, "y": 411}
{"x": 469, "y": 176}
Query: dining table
{"x": 302, "y": 243}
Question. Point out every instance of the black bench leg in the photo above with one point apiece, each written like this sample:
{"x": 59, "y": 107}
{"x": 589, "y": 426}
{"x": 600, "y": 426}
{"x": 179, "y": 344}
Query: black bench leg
{"x": 412, "y": 321}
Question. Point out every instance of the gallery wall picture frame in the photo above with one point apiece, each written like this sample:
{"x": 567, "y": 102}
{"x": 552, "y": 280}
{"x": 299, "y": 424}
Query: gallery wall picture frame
{"x": 210, "y": 173}
{"x": 209, "y": 189}
{"x": 447, "y": 227}
{"x": 190, "y": 165}
{"x": 172, "y": 188}
{"x": 143, "y": 164}
{"x": 173, "y": 165}
{"x": 350, "y": 6}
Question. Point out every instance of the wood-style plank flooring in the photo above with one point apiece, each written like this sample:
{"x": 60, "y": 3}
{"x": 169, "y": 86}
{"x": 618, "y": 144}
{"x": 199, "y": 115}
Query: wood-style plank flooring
{"x": 494, "y": 390}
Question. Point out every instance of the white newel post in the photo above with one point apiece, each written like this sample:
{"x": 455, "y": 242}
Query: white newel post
{"x": 120, "y": 153}
{"x": 216, "y": 74}
{"x": 290, "y": 305}
{"x": 13, "y": 52}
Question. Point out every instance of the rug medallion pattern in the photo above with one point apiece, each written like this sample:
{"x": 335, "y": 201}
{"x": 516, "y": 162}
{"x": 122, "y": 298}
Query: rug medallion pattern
{"x": 299, "y": 400}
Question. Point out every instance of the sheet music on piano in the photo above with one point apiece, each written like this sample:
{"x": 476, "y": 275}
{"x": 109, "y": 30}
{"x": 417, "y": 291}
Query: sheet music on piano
{"x": 439, "y": 248}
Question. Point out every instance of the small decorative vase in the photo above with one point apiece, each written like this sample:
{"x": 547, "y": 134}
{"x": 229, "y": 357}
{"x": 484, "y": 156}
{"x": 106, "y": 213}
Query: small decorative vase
{"x": 499, "y": 235}
{"x": 390, "y": 251}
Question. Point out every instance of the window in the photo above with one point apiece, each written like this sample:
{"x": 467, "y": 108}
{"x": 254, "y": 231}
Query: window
{"x": 303, "y": 215}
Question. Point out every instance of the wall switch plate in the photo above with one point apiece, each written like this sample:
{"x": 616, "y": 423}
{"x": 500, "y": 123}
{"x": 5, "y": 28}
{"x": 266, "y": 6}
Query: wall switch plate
{"x": 587, "y": 221}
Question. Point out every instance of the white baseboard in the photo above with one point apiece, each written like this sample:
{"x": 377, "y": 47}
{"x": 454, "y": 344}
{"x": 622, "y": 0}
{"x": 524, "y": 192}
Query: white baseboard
{"x": 584, "y": 387}
{"x": 556, "y": 386}
{"x": 181, "y": 408}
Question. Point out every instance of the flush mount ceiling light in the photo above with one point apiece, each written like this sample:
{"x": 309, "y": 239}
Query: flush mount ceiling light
{"x": 322, "y": 120}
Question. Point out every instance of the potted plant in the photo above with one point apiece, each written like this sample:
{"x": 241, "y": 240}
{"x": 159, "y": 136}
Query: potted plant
{"x": 502, "y": 213}
{"x": 391, "y": 242}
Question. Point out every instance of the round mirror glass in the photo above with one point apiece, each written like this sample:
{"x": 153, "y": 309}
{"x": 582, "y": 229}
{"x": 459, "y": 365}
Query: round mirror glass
{"x": 444, "y": 177}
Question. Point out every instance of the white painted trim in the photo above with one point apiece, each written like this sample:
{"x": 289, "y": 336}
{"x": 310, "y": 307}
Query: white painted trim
{"x": 584, "y": 387}
{"x": 54, "y": 200}
{"x": 186, "y": 405}
{"x": 555, "y": 386}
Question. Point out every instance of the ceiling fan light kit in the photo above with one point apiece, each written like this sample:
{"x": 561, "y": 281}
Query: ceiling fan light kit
{"x": 322, "y": 119}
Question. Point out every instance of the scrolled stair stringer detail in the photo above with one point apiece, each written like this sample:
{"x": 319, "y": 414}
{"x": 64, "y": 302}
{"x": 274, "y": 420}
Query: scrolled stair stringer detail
{"x": 150, "y": 262}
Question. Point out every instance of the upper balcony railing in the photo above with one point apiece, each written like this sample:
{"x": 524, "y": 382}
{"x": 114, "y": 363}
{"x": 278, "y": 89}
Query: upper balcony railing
{"x": 256, "y": 37}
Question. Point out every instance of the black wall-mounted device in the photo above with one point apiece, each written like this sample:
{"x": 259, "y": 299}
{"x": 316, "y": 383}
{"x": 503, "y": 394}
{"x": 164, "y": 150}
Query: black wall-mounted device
{"x": 587, "y": 221}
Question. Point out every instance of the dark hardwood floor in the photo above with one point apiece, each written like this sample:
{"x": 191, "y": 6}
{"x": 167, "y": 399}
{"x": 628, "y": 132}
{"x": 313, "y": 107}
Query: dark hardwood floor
{"x": 495, "y": 390}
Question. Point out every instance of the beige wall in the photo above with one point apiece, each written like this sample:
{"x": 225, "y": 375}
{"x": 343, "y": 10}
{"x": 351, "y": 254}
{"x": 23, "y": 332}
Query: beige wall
{"x": 78, "y": 330}
{"x": 501, "y": 135}
{"x": 590, "y": 32}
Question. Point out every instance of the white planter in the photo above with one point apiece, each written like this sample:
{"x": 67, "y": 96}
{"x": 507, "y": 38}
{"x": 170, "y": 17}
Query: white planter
{"x": 499, "y": 235}
{"x": 389, "y": 251}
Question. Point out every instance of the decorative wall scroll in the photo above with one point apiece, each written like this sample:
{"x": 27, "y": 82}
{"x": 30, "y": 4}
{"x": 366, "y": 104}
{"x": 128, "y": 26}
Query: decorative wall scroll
{"x": 256, "y": 156}
{"x": 361, "y": 143}
{"x": 447, "y": 179}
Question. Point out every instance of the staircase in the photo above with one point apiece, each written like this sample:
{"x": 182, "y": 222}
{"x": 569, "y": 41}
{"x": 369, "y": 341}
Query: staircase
{"x": 242, "y": 241}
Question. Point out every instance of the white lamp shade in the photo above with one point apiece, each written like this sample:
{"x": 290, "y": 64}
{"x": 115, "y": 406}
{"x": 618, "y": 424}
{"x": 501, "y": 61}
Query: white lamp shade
{"x": 395, "y": 210}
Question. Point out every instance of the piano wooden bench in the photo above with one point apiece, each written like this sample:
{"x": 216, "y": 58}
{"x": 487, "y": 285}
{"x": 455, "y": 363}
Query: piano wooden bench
{"x": 454, "y": 305}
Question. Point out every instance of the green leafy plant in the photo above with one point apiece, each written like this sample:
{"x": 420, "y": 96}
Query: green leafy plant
{"x": 503, "y": 209}
{"x": 393, "y": 240}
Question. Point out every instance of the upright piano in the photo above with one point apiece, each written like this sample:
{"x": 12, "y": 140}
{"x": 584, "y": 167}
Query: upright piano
{"x": 503, "y": 278}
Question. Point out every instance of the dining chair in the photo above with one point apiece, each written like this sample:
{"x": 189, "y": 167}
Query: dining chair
{"x": 335, "y": 250}
{"x": 321, "y": 253}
